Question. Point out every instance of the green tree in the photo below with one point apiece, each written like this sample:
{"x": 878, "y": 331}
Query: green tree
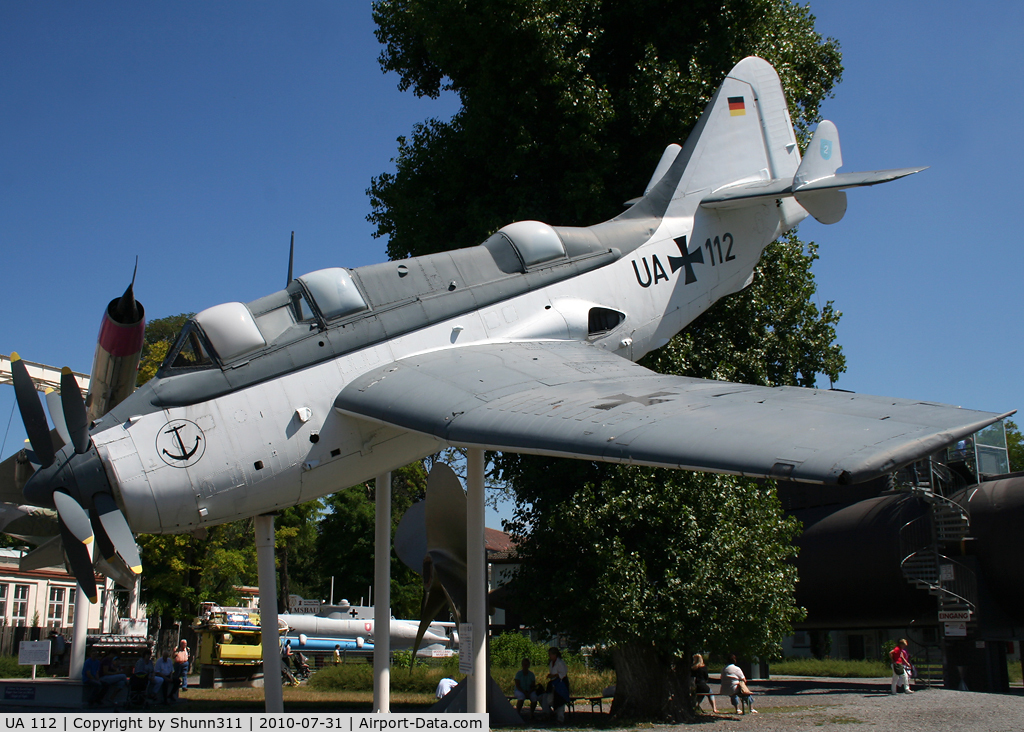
{"x": 566, "y": 106}
{"x": 346, "y": 541}
{"x": 661, "y": 564}
{"x": 1014, "y": 445}
{"x": 159, "y": 338}
{"x": 298, "y": 562}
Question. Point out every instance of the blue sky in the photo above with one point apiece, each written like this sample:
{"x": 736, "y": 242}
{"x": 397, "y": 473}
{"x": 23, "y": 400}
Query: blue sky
{"x": 198, "y": 136}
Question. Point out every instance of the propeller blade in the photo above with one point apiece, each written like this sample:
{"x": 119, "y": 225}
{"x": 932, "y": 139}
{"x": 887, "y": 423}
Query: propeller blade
{"x": 434, "y": 601}
{"x": 115, "y": 570}
{"x": 411, "y": 537}
{"x": 115, "y": 526}
{"x": 104, "y": 545}
{"x": 53, "y": 406}
{"x": 73, "y": 517}
{"x": 73, "y": 407}
{"x": 80, "y": 559}
{"x": 446, "y": 513}
{"x": 32, "y": 415}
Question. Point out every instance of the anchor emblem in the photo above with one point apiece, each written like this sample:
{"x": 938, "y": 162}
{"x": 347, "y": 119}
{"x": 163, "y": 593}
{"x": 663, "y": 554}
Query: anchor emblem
{"x": 172, "y": 443}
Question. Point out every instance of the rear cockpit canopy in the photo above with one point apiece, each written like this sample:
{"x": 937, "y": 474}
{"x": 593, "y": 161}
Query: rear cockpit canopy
{"x": 530, "y": 242}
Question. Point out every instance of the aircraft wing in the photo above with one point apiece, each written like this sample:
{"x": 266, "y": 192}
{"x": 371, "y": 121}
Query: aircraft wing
{"x": 571, "y": 399}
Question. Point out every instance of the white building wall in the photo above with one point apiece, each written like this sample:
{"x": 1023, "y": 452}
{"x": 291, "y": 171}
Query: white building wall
{"x": 45, "y": 598}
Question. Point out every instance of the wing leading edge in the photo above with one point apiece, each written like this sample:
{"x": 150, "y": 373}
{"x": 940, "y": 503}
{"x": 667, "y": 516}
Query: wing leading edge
{"x": 570, "y": 399}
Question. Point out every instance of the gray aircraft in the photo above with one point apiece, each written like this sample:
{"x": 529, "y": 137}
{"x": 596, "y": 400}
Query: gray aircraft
{"x": 525, "y": 343}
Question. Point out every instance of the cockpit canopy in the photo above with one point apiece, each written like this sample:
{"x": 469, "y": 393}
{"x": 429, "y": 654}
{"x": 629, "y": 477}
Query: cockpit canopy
{"x": 334, "y": 292}
{"x": 531, "y": 243}
{"x": 226, "y": 332}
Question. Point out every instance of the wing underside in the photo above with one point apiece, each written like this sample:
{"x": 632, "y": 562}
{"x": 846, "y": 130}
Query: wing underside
{"x": 570, "y": 399}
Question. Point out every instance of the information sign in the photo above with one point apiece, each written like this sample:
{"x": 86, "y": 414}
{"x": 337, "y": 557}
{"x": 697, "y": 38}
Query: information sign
{"x": 34, "y": 653}
{"x": 466, "y": 648}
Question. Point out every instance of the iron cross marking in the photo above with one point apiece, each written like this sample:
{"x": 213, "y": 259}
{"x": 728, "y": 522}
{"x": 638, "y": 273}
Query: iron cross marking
{"x": 687, "y": 260}
{"x": 645, "y": 401}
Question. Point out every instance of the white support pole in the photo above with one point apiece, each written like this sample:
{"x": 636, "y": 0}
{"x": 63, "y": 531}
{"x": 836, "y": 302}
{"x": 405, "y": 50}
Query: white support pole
{"x": 273, "y": 696}
{"x": 476, "y": 580}
{"x": 382, "y": 609}
{"x": 78, "y": 634}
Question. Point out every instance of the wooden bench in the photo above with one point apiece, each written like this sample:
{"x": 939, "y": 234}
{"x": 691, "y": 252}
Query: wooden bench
{"x": 596, "y": 702}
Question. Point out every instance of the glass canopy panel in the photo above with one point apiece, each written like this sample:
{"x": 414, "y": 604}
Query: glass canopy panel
{"x": 334, "y": 292}
{"x": 535, "y": 241}
{"x": 231, "y": 330}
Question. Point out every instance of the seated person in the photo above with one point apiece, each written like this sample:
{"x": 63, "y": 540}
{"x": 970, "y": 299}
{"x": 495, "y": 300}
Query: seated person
{"x": 526, "y": 686}
{"x": 734, "y": 686}
{"x": 144, "y": 669}
{"x": 112, "y": 678}
{"x": 91, "y": 678}
{"x": 163, "y": 672}
{"x": 556, "y": 696}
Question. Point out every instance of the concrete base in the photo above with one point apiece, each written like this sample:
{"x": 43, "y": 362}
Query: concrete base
{"x": 49, "y": 693}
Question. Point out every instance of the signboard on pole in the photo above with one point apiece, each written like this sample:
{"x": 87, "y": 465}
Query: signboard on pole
{"x": 466, "y": 648}
{"x": 34, "y": 653}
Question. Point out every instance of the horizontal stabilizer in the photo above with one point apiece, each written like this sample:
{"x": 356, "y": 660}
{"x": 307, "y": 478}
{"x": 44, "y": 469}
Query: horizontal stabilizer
{"x": 817, "y": 187}
{"x": 747, "y": 193}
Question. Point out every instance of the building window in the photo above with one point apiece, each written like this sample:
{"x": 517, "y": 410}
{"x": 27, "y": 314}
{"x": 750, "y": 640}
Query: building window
{"x": 19, "y": 609}
{"x": 55, "y": 609}
{"x": 3, "y": 603}
{"x": 71, "y": 605}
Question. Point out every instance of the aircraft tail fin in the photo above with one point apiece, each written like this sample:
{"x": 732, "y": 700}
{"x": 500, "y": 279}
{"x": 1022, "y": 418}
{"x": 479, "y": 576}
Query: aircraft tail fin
{"x": 743, "y": 152}
{"x": 744, "y": 136}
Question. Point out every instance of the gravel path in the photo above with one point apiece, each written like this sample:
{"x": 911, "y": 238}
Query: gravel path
{"x": 791, "y": 703}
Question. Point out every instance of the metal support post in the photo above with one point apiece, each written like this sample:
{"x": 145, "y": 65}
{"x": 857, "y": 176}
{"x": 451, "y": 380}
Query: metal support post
{"x": 273, "y": 696}
{"x": 382, "y": 585}
{"x": 476, "y": 580}
{"x": 78, "y": 634}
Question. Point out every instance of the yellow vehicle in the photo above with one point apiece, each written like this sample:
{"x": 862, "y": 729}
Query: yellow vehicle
{"x": 230, "y": 645}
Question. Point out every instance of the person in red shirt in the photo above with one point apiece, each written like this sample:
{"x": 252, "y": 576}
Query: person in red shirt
{"x": 900, "y": 666}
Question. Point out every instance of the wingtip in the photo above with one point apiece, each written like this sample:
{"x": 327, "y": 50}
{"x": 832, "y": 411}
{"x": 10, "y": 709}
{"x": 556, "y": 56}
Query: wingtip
{"x": 137, "y": 569}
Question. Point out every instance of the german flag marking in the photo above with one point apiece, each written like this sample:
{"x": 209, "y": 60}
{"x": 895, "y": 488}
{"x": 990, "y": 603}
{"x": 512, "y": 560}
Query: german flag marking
{"x": 737, "y": 108}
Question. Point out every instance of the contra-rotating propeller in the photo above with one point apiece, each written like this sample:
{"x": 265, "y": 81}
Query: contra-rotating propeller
{"x": 73, "y": 480}
{"x": 431, "y": 540}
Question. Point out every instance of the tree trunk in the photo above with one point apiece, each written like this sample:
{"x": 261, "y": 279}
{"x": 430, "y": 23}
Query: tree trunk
{"x": 650, "y": 686}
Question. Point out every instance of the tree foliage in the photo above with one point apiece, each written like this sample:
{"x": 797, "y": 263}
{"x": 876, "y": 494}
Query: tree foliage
{"x": 1014, "y": 445}
{"x": 565, "y": 108}
{"x": 566, "y": 104}
{"x": 345, "y": 541}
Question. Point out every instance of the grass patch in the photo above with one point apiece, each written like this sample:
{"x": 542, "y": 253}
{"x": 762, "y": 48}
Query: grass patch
{"x": 831, "y": 668}
{"x": 9, "y": 669}
{"x": 423, "y": 679}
